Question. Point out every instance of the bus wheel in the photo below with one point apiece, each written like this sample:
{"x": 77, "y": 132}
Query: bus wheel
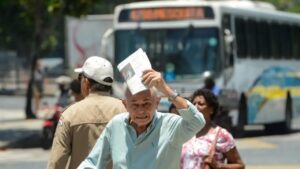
{"x": 286, "y": 125}
{"x": 242, "y": 117}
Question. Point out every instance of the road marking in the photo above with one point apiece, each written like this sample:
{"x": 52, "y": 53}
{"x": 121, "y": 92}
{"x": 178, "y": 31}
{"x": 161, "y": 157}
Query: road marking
{"x": 273, "y": 166}
{"x": 250, "y": 143}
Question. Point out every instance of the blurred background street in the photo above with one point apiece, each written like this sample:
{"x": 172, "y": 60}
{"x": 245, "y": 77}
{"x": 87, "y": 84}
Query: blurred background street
{"x": 20, "y": 138}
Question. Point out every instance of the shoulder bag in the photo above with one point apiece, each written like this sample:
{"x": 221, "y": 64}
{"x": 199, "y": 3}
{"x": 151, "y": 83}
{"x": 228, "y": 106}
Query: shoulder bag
{"x": 211, "y": 151}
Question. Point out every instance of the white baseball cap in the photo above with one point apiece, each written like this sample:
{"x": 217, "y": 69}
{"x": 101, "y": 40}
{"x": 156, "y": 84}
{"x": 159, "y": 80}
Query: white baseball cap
{"x": 97, "y": 68}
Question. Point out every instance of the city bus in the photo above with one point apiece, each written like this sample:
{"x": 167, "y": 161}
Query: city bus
{"x": 244, "y": 44}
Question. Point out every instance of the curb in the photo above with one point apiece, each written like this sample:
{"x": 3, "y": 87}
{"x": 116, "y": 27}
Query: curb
{"x": 20, "y": 133}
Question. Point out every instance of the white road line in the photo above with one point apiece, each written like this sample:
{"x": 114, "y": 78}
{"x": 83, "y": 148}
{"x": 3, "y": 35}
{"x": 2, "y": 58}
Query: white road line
{"x": 281, "y": 166}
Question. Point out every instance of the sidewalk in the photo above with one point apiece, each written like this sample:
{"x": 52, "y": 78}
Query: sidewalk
{"x": 21, "y": 88}
{"x": 18, "y": 132}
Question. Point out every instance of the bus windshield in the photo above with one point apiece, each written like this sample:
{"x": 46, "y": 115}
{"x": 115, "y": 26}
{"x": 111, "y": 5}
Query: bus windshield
{"x": 180, "y": 54}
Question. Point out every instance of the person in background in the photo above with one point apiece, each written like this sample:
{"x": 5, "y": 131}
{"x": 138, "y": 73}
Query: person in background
{"x": 76, "y": 90}
{"x": 196, "y": 150}
{"x": 143, "y": 138}
{"x": 63, "y": 83}
{"x": 82, "y": 123}
{"x": 209, "y": 83}
{"x": 221, "y": 118}
{"x": 38, "y": 86}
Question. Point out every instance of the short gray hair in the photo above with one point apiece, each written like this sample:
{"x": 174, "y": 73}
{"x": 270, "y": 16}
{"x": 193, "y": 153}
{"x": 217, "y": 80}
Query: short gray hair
{"x": 152, "y": 90}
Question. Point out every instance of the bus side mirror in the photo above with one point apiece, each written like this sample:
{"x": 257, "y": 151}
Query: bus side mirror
{"x": 228, "y": 45}
{"x": 228, "y": 39}
{"x": 107, "y": 44}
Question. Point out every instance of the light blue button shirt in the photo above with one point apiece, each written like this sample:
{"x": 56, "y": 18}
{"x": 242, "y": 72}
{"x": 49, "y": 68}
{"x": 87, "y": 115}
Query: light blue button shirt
{"x": 158, "y": 147}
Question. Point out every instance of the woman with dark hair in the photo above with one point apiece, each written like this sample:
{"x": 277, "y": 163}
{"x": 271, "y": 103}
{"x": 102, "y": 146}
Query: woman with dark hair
{"x": 211, "y": 138}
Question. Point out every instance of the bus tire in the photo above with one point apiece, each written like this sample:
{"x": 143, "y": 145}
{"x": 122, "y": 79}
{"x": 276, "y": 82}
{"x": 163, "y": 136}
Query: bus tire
{"x": 242, "y": 116}
{"x": 285, "y": 126}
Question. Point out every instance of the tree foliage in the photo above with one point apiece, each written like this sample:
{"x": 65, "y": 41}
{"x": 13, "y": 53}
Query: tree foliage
{"x": 286, "y": 5}
{"x": 35, "y": 28}
{"x": 30, "y": 26}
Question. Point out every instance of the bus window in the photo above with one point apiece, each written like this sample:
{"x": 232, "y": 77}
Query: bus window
{"x": 296, "y": 41}
{"x": 285, "y": 41}
{"x": 251, "y": 35}
{"x": 190, "y": 51}
{"x": 275, "y": 40}
{"x": 263, "y": 39}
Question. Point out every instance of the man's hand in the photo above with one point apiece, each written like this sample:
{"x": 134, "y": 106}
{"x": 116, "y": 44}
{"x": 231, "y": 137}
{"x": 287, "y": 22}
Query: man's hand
{"x": 152, "y": 78}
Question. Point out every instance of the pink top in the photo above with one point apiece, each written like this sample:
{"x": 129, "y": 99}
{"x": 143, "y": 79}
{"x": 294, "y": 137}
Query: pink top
{"x": 196, "y": 148}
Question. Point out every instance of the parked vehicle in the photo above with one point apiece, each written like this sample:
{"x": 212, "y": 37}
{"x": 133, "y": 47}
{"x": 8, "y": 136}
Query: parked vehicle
{"x": 49, "y": 127}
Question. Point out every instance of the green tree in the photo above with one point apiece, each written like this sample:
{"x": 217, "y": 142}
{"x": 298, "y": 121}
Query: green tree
{"x": 35, "y": 28}
{"x": 30, "y": 28}
{"x": 286, "y": 5}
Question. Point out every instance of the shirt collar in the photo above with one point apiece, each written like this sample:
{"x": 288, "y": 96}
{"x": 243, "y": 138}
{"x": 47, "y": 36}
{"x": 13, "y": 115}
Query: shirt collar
{"x": 99, "y": 93}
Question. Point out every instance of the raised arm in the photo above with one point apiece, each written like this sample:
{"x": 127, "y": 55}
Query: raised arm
{"x": 191, "y": 120}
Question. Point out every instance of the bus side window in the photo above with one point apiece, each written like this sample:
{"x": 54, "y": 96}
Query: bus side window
{"x": 296, "y": 41}
{"x": 264, "y": 39}
{"x": 285, "y": 39}
{"x": 275, "y": 40}
{"x": 251, "y": 35}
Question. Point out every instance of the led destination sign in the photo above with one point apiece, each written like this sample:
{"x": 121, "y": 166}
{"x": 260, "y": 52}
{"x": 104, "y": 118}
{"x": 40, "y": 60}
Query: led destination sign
{"x": 165, "y": 14}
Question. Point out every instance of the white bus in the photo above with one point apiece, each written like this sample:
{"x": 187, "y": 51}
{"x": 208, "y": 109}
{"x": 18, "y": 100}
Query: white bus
{"x": 245, "y": 44}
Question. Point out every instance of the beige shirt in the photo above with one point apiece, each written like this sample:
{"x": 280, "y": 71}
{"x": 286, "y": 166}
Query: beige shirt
{"x": 79, "y": 128}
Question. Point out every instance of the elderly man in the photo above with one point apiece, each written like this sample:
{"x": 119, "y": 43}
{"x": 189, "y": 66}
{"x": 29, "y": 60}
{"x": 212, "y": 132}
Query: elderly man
{"x": 144, "y": 138}
{"x": 81, "y": 124}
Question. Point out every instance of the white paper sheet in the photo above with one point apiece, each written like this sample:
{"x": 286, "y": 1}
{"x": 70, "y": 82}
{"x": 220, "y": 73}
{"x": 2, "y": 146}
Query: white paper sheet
{"x": 132, "y": 69}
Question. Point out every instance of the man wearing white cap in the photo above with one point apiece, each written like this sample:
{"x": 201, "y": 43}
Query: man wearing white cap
{"x": 81, "y": 124}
